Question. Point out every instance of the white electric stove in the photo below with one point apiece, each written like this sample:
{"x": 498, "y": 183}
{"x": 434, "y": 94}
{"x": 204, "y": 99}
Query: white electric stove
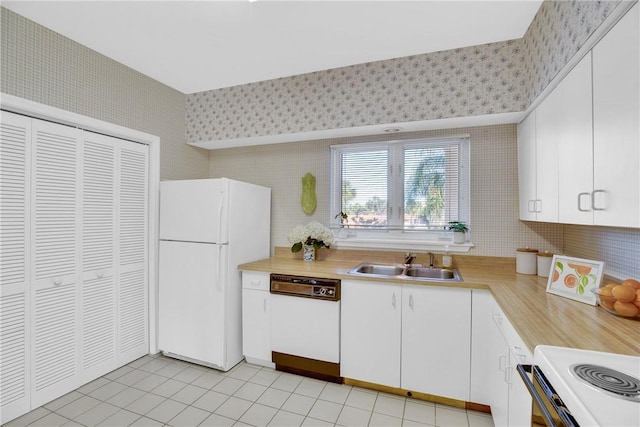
{"x": 595, "y": 388}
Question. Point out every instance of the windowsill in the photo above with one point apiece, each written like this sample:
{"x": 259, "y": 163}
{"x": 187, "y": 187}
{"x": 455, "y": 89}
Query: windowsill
{"x": 401, "y": 244}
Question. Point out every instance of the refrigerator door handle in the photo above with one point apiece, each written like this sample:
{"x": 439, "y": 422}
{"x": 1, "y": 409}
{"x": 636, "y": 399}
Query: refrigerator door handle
{"x": 218, "y": 263}
{"x": 220, "y": 219}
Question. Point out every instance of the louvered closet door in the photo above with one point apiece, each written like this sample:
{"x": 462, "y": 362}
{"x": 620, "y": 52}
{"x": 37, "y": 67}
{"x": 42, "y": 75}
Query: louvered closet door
{"x": 14, "y": 271}
{"x": 98, "y": 290}
{"x": 55, "y": 258}
{"x": 132, "y": 258}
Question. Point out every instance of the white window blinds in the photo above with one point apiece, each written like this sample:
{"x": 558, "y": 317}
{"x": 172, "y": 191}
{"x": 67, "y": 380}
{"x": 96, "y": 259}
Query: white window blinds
{"x": 412, "y": 185}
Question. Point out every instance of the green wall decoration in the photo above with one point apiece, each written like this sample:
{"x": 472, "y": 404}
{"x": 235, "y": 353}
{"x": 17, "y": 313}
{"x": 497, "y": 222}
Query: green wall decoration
{"x": 308, "y": 198}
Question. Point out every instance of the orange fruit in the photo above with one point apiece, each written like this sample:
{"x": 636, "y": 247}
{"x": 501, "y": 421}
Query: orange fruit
{"x": 637, "y": 300}
{"x": 625, "y": 309}
{"x": 623, "y": 293}
{"x": 570, "y": 281}
{"x": 632, "y": 283}
{"x": 606, "y": 300}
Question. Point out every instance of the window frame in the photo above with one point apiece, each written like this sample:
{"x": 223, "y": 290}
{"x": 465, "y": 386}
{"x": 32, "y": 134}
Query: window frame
{"x": 399, "y": 237}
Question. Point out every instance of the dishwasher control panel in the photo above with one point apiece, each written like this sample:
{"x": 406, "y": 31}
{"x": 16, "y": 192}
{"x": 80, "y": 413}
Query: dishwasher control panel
{"x": 306, "y": 287}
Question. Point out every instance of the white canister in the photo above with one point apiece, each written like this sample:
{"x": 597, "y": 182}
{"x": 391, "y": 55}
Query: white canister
{"x": 526, "y": 262}
{"x": 544, "y": 263}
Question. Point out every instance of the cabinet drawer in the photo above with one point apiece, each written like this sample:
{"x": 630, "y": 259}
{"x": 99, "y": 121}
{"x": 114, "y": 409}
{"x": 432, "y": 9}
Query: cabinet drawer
{"x": 255, "y": 280}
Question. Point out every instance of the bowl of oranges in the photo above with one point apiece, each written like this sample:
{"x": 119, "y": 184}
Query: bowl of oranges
{"x": 621, "y": 299}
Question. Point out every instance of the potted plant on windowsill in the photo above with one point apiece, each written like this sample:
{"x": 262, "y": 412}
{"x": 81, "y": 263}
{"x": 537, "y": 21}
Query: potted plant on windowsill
{"x": 459, "y": 229}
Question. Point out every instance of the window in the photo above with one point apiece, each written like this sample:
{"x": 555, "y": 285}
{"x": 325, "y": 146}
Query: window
{"x": 399, "y": 190}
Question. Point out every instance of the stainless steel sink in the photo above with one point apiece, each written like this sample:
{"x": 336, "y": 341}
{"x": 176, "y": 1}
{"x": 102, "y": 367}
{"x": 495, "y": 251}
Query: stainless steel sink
{"x": 406, "y": 272}
{"x": 379, "y": 270}
{"x": 432, "y": 273}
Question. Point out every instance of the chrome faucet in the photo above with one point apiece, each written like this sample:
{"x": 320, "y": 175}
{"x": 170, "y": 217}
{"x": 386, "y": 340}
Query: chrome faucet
{"x": 431, "y": 260}
{"x": 409, "y": 258}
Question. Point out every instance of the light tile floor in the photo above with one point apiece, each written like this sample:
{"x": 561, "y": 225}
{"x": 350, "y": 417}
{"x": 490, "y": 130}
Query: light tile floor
{"x": 159, "y": 391}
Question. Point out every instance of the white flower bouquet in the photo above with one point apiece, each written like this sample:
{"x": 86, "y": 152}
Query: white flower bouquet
{"x": 313, "y": 234}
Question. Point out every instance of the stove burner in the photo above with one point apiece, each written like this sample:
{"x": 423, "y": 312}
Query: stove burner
{"x": 614, "y": 382}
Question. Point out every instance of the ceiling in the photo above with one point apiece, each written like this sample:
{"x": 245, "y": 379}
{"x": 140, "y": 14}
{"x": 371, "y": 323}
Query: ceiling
{"x": 194, "y": 46}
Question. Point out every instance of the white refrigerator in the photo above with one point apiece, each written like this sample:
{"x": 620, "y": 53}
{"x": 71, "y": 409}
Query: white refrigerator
{"x": 207, "y": 228}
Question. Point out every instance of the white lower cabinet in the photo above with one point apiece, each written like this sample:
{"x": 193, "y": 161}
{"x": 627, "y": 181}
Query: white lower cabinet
{"x": 510, "y": 401}
{"x": 481, "y": 328}
{"x": 413, "y": 337}
{"x": 436, "y": 340}
{"x": 256, "y": 318}
{"x": 370, "y": 324}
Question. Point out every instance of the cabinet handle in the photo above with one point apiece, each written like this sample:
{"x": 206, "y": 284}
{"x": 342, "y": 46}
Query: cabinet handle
{"x": 393, "y": 300}
{"x": 264, "y": 305}
{"x": 531, "y": 206}
{"x": 580, "y": 202}
{"x": 502, "y": 362}
{"x": 538, "y": 206}
{"x": 411, "y": 301}
{"x": 497, "y": 319}
{"x": 593, "y": 200}
{"x": 507, "y": 375}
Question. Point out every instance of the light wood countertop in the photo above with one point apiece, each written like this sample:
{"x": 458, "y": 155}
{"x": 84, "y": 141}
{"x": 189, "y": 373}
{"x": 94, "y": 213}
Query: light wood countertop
{"x": 538, "y": 317}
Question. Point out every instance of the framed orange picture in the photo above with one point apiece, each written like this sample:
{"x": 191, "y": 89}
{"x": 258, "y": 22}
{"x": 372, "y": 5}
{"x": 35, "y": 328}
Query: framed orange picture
{"x": 574, "y": 278}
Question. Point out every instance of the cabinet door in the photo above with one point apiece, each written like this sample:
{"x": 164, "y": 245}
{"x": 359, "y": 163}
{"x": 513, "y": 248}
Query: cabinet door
{"x": 436, "y": 340}
{"x": 527, "y": 167}
{"x": 256, "y": 318}
{"x": 370, "y": 332}
{"x": 98, "y": 293}
{"x": 499, "y": 389}
{"x": 616, "y": 124}
{"x": 55, "y": 258}
{"x": 132, "y": 252}
{"x": 573, "y": 135}
{"x": 520, "y": 403}
{"x": 481, "y": 327}
{"x": 549, "y": 124}
{"x": 256, "y": 321}
{"x": 15, "y": 131}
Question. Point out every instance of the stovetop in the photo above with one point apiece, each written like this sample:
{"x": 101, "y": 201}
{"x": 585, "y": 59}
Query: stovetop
{"x": 589, "y": 404}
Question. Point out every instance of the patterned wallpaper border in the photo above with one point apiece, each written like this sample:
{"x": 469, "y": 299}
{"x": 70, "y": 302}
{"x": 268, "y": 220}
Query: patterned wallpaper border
{"x": 478, "y": 80}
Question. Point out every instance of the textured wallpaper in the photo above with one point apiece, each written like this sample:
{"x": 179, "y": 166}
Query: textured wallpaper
{"x": 558, "y": 31}
{"x": 495, "y": 228}
{"x": 472, "y": 81}
{"x": 486, "y": 79}
{"x": 43, "y": 66}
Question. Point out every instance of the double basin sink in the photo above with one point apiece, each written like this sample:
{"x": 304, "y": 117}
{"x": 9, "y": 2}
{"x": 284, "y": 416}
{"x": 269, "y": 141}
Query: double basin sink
{"x": 406, "y": 271}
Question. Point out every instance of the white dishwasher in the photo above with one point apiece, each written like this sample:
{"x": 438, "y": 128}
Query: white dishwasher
{"x": 305, "y": 326}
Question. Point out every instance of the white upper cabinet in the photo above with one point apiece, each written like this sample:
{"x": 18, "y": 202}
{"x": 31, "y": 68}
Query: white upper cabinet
{"x": 616, "y": 125}
{"x": 527, "y": 168}
{"x": 572, "y": 139}
{"x": 587, "y": 139}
